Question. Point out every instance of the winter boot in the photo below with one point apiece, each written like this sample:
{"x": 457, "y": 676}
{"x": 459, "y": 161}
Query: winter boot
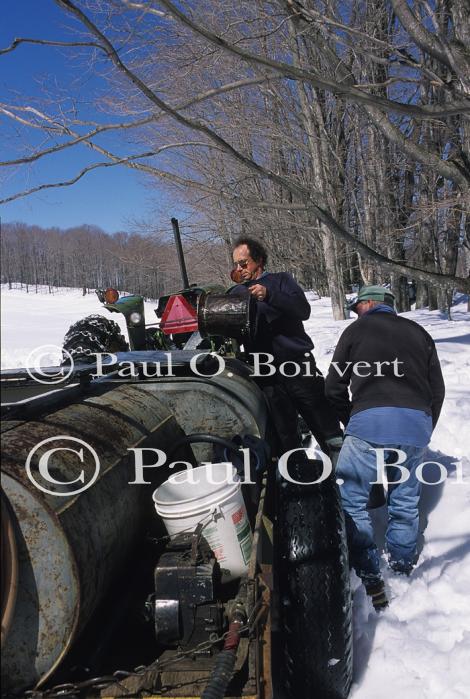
{"x": 376, "y": 592}
{"x": 401, "y": 567}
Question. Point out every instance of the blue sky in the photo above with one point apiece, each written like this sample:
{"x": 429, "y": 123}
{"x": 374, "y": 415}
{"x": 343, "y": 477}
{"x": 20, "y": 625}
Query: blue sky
{"x": 110, "y": 197}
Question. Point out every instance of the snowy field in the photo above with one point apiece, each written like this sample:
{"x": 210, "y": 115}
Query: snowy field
{"x": 420, "y": 646}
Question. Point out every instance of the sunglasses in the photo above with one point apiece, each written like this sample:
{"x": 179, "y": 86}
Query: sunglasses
{"x": 243, "y": 264}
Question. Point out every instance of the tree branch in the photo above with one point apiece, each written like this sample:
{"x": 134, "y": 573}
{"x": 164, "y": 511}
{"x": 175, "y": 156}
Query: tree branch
{"x": 129, "y": 161}
{"x": 16, "y": 42}
{"x": 113, "y": 127}
{"x": 432, "y": 44}
{"x": 392, "y": 133}
{"x": 86, "y": 140}
{"x": 52, "y": 125}
{"x": 403, "y": 57}
{"x": 66, "y": 183}
{"x": 351, "y": 94}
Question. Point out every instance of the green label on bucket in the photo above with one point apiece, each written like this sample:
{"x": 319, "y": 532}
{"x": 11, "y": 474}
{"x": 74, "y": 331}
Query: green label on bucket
{"x": 211, "y": 533}
{"x": 243, "y": 530}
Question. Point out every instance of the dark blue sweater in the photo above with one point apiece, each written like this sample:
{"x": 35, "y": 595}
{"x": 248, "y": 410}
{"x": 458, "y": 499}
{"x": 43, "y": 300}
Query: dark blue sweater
{"x": 416, "y": 382}
{"x": 279, "y": 327}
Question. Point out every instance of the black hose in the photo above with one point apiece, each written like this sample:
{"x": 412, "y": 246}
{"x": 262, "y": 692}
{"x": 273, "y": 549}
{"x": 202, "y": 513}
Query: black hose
{"x": 203, "y": 437}
{"x": 221, "y": 675}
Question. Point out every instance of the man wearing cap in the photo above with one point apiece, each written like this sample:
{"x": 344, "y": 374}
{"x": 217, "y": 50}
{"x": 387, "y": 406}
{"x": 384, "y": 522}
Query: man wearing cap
{"x": 281, "y": 306}
{"x": 391, "y": 367}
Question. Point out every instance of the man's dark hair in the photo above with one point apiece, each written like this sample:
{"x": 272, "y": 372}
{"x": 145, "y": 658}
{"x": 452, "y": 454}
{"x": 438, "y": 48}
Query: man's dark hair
{"x": 257, "y": 250}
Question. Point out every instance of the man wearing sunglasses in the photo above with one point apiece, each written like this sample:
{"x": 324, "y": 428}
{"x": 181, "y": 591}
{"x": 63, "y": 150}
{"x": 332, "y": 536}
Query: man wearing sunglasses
{"x": 281, "y": 308}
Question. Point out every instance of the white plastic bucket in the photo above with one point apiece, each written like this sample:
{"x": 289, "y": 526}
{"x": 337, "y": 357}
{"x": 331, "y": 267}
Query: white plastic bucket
{"x": 188, "y": 498}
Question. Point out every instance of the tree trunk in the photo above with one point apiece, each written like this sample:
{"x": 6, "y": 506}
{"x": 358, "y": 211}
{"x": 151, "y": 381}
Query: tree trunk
{"x": 422, "y": 295}
{"x": 432, "y": 297}
{"x": 335, "y": 287}
{"x": 314, "y": 126}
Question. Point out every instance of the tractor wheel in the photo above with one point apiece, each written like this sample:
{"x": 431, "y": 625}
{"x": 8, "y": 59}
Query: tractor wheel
{"x": 312, "y": 579}
{"x": 92, "y": 335}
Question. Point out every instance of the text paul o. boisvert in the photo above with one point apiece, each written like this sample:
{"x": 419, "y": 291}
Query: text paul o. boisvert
{"x": 262, "y": 365}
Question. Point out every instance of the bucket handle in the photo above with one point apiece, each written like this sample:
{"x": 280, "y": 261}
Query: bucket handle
{"x": 216, "y": 509}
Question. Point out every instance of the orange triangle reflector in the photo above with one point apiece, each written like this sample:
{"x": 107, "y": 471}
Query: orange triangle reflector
{"x": 179, "y": 316}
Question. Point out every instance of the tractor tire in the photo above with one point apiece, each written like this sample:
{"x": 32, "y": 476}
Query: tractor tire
{"x": 92, "y": 335}
{"x": 312, "y": 579}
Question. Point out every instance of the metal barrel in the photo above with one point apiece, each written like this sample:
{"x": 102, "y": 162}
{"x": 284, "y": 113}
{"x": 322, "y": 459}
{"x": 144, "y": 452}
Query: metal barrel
{"x": 226, "y": 314}
{"x": 65, "y": 547}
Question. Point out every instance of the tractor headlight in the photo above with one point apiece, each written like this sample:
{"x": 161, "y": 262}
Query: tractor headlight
{"x": 135, "y": 318}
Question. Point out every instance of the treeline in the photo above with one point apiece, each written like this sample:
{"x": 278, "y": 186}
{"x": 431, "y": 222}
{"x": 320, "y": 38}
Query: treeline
{"x": 86, "y": 257}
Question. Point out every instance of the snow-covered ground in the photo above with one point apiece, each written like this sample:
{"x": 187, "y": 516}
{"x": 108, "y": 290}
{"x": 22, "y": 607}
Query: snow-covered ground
{"x": 420, "y": 646}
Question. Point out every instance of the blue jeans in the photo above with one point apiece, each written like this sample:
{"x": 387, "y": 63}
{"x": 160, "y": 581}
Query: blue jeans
{"x": 357, "y": 466}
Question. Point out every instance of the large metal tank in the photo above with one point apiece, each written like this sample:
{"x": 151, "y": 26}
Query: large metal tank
{"x": 69, "y": 547}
